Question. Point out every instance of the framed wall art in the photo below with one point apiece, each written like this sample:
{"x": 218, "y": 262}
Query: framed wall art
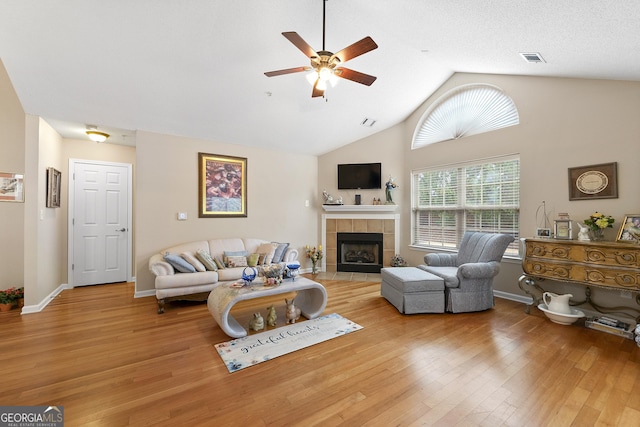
{"x": 630, "y": 229}
{"x": 222, "y": 186}
{"x": 11, "y": 187}
{"x": 594, "y": 182}
{"x": 53, "y": 188}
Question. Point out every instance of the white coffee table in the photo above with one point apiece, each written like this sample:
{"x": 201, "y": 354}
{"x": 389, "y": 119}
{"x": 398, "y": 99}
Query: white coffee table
{"x": 311, "y": 300}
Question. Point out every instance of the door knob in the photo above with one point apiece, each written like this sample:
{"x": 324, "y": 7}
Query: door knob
{"x": 122, "y": 229}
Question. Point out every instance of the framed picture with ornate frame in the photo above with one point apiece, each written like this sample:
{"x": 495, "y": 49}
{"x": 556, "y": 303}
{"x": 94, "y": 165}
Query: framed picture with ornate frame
{"x": 53, "y": 188}
{"x": 594, "y": 182}
{"x": 630, "y": 229}
{"x": 222, "y": 186}
{"x": 11, "y": 187}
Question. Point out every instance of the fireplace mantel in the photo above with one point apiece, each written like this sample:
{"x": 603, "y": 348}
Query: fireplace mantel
{"x": 359, "y": 208}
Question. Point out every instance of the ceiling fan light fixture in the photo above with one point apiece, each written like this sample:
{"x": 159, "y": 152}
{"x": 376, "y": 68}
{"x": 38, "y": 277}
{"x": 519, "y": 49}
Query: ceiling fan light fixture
{"x": 321, "y": 85}
{"x": 324, "y": 63}
{"x": 325, "y": 73}
{"x": 97, "y": 136}
{"x": 312, "y": 77}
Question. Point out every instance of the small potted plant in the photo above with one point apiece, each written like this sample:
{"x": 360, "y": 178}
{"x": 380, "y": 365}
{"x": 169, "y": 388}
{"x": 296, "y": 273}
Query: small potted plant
{"x": 19, "y": 292}
{"x": 7, "y": 299}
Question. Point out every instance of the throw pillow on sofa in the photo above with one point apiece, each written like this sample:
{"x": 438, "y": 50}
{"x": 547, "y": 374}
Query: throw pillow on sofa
{"x": 252, "y": 260}
{"x": 206, "y": 259}
{"x": 235, "y": 253}
{"x": 193, "y": 261}
{"x": 236, "y": 261}
{"x": 179, "y": 263}
{"x": 279, "y": 252}
{"x": 219, "y": 263}
{"x": 269, "y": 249}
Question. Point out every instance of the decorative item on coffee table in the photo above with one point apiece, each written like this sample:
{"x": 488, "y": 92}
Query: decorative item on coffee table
{"x": 315, "y": 255}
{"x": 248, "y": 275}
{"x": 292, "y": 270}
{"x": 272, "y": 317}
{"x": 257, "y": 322}
{"x": 293, "y": 312}
{"x": 272, "y": 274}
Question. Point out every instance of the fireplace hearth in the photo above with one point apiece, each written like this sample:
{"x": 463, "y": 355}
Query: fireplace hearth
{"x": 359, "y": 252}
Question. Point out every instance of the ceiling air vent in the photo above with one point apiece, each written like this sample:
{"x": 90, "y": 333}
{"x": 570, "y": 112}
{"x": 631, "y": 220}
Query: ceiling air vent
{"x": 368, "y": 122}
{"x": 532, "y": 57}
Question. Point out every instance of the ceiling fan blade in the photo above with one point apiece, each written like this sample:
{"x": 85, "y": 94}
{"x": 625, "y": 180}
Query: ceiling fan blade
{"x": 286, "y": 71}
{"x": 355, "y": 76}
{"x": 299, "y": 42}
{"x": 316, "y": 92}
{"x": 358, "y": 48}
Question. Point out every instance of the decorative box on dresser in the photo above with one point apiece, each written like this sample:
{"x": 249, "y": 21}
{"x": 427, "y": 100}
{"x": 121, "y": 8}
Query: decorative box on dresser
{"x": 610, "y": 265}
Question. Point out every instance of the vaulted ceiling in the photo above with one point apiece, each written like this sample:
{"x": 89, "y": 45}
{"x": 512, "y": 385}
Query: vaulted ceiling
{"x": 196, "y": 67}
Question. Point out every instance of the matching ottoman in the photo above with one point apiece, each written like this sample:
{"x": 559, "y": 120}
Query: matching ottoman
{"x": 412, "y": 290}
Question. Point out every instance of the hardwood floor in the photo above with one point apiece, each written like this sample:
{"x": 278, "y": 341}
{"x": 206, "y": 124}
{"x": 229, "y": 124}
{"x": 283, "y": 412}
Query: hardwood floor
{"x": 111, "y": 360}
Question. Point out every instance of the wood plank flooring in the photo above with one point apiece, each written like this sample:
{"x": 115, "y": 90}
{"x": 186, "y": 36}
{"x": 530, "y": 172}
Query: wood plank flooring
{"x": 111, "y": 360}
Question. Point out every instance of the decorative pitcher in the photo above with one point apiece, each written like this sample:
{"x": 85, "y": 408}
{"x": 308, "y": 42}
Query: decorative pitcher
{"x": 557, "y": 303}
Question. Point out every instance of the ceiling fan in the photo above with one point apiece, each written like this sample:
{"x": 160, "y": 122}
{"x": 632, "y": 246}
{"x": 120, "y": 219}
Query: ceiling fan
{"x": 325, "y": 64}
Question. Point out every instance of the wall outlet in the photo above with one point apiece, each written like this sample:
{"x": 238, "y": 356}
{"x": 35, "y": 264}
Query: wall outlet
{"x": 182, "y": 216}
{"x": 625, "y": 294}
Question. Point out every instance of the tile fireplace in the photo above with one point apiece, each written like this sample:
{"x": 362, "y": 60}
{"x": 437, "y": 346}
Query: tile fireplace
{"x": 359, "y": 220}
{"x": 359, "y": 252}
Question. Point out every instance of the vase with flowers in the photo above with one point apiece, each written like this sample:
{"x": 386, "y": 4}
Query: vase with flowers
{"x": 597, "y": 223}
{"x": 315, "y": 255}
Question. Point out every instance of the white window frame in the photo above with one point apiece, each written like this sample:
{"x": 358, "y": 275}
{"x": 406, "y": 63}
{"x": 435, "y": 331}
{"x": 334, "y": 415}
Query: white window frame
{"x": 461, "y": 209}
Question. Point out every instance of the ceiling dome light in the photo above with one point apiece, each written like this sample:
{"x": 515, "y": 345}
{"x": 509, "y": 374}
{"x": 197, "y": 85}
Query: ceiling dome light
{"x": 97, "y": 136}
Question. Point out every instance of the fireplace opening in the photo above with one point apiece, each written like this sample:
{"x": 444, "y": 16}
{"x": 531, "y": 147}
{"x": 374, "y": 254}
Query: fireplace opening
{"x": 359, "y": 252}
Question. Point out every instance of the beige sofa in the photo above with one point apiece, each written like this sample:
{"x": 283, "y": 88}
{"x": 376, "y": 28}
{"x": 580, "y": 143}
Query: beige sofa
{"x": 171, "y": 284}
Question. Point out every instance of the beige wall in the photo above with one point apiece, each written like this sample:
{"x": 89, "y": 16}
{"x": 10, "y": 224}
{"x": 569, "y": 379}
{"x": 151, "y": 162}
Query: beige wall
{"x": 278, "y": 184}
{"x": 12, "y": 128}
{"x": 44, "y": 237}
{"x": 563, "y": 123}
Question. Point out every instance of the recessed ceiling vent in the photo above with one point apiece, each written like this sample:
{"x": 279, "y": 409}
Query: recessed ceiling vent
{"x": 368, "y": 122}
{"x": 533, "y": 57}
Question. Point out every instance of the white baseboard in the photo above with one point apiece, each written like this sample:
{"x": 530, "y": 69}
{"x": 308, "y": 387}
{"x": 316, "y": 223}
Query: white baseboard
{"x": 29, "y": 309}
{"x": 513, "y": 297}
{"x": 143, "y": 294}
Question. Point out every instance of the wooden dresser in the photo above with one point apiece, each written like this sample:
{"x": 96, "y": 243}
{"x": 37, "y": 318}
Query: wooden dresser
{"x": 606, "y": 264}
{"x": 609, "y": 265}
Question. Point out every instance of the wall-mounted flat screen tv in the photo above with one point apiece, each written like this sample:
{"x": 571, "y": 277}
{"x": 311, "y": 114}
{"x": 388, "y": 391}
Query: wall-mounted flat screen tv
{"x": 362, "y": 176}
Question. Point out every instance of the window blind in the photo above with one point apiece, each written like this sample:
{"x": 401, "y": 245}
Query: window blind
{"x": 448, "y": 201}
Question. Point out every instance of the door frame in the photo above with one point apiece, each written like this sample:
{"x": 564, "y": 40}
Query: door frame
{"x": 71, "y": 210}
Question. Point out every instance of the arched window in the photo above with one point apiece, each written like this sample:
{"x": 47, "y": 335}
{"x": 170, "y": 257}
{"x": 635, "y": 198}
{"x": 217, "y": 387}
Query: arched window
{"x": 463, "y": 111}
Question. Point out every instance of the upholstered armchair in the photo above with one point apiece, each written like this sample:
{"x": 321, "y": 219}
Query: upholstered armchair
{"x": 468, "y": 275}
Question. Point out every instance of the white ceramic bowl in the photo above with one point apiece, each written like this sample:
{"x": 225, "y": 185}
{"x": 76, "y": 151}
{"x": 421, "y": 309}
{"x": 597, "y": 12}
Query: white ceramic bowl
{"x": 561, "y": 318}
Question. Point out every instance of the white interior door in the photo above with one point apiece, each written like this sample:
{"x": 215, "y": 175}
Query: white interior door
{"x": 100, "y": 223}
